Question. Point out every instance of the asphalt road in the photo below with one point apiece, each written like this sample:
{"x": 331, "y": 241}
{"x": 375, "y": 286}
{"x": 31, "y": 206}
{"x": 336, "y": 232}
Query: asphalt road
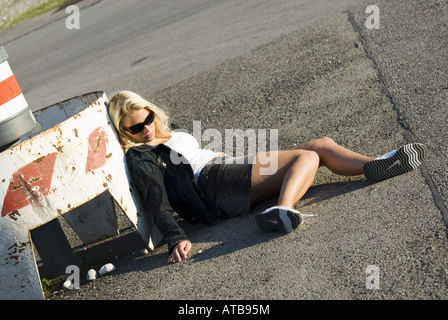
{"x": 307, "y": 68}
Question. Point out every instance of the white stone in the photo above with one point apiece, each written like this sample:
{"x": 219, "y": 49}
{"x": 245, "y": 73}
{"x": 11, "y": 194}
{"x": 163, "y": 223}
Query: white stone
{"x": 108, "y": 267}
{"x": 91, "y": 275}
{"x": 67, "y": 284}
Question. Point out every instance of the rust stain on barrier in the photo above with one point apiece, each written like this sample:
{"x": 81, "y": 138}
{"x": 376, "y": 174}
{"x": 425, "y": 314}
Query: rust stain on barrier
{"x": 13, "y": 214}
{"x": 39, "y": 160}
{"x": 96, "y": 156}
{"x": 15, "y": 188}
{"x": 58, "y": 148}
{"x": 33, "y": 180}
{"x": 98, "y": 141}
{"x": 15, "y": 250}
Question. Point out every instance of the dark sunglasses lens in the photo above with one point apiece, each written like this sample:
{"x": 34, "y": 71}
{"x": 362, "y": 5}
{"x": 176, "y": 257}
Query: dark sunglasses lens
{"x": 137, "y": 128}
{"x": 140, "y": 126}
{"x": 149, "y": 118}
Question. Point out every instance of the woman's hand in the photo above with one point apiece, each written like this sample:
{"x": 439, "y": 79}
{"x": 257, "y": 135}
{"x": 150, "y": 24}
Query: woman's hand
{"x": 180, "y": 251}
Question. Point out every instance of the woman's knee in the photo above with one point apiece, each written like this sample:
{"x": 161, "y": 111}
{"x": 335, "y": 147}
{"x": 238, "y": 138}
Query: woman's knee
{"x": 267, "y": 184}
{"x": 309, "y": 156}
{"x": 322, "y": 144}
{"x": 314, "y": 158}
{"x": 317, "y": 145}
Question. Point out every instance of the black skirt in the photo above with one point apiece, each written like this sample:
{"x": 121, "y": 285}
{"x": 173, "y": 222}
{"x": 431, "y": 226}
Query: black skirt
{"x": 228, "y": 183}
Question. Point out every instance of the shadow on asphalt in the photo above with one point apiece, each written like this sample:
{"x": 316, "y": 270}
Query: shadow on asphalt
{"x": 230, "y": 235}
{"x": 327, "y": 191}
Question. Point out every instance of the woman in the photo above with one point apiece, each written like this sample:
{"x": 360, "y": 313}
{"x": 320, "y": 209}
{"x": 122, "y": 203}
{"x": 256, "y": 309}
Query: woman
{"x": 172, "y": 174}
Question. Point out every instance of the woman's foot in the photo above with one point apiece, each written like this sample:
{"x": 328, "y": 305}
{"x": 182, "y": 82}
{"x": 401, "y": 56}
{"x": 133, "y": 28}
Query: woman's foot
{"x": 394, "y": 163}
{"x": 280, "y": 219}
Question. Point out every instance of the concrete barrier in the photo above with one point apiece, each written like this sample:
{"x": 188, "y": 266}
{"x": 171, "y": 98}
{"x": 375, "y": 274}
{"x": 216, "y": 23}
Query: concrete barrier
{"x": 74, "y": 158}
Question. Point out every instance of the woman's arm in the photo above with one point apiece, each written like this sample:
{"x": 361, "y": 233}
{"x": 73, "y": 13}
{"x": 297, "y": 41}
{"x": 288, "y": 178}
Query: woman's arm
{"x": 148, "y": 179}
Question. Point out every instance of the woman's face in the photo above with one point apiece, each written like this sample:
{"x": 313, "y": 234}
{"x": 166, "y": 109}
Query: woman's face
{"x": 149, "y": 130}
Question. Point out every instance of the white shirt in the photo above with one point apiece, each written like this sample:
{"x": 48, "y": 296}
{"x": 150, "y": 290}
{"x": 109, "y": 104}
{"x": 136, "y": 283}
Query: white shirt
{"x": 187, "y": 145}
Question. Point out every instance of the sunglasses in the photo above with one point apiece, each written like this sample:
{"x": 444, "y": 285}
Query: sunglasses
{"x": 137, "y": 128}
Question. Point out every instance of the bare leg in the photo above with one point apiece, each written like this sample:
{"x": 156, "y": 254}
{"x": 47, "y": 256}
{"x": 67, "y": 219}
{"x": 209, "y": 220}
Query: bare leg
{"x": 294, "y": 175}
{"x": 297, "y": 169}
{"x": 335, "y": 157}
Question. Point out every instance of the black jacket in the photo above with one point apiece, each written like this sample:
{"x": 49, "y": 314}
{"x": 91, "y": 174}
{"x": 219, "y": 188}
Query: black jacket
{"x": 165, "y": 188}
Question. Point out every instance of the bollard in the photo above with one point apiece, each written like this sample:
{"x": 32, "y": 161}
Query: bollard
{"x": 16, "y": 118}
{"x": 74, "y": 159}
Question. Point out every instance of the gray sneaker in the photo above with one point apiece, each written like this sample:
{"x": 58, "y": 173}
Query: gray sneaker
{"x": 399, "y": 161}
{"x": 281, "y": 219}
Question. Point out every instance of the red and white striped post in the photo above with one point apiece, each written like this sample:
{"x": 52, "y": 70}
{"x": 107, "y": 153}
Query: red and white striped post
{"x": 16, "y": 118}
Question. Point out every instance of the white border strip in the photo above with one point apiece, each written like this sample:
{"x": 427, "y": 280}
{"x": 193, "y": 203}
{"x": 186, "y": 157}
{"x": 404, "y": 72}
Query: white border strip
{"x": 5, "y": 71}
{"x": 13, "y": 107}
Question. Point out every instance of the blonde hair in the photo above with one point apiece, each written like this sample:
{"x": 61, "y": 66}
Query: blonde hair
{"x": 124, "y": 103}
